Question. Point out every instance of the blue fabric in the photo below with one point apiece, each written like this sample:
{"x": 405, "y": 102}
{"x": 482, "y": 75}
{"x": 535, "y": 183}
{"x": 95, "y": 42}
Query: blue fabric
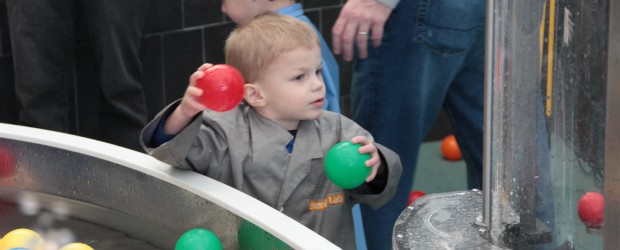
{"x": 160, "y": 137}
{"x": 432, "y": 56}
{"x": 330, "y": 66}
{"x": 289, "y": 146}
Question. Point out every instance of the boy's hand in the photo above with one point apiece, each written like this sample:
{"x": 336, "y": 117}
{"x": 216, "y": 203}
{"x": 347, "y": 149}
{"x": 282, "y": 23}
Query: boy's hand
{"x": 369, "y": 148}
{"x": 189, "y": 107}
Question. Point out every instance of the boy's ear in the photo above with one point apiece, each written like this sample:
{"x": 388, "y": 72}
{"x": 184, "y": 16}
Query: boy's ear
{"x": 253, "y": 95}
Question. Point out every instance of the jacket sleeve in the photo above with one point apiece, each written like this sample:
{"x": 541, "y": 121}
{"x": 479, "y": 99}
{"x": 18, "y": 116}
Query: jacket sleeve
{"x": 196, "y": 147}
{"x": 174, "y": 151}
{"x": 394, "y": 168}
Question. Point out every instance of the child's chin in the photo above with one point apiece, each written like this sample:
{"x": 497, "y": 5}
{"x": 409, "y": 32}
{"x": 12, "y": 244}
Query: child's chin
{"x": 315, "y": 115}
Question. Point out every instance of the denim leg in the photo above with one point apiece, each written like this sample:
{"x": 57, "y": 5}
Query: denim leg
{"x": 42, "y": 46}
{"x": 429, "y": 57}
{"x": 464, "y": 106}
{"x": 115, "y": 33}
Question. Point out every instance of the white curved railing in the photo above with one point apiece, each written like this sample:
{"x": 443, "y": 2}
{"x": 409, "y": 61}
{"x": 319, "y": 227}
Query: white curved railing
{"x": 286, "y": 229}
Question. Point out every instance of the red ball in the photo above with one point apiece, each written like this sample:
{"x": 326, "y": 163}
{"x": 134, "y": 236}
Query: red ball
{"x": 7, "y": 162}
{"x": 591, "y": 208}
{"x": 414, "y": 195}
{"x": 222, "y": 87}
{"x": 450, "y": 149}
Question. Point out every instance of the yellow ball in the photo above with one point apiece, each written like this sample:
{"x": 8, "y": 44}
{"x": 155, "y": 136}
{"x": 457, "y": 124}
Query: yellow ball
{"x": 22, "y": 238}
{"x": 76, "y": 246}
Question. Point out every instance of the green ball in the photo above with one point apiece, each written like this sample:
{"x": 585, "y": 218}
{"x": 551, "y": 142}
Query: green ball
{"x": 345, "y": 166}
{"x": 198, "y": 239}
{"x": 253, "y": 237}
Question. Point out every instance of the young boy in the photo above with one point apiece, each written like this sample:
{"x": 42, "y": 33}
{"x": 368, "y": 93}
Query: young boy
{"x": 272, "y": 146}
{"x": 241, "y": 11}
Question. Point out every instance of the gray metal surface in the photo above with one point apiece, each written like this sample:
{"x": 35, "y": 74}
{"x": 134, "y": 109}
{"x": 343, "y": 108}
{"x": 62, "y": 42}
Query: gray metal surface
{"x": 488, "y": 114}
{"x": 516, "y": 114}
{"x": 109, "y": 195}
{"x": 612, "y": 143}
{"x": 94, "y": 229}
{"x": 442, "y": 221}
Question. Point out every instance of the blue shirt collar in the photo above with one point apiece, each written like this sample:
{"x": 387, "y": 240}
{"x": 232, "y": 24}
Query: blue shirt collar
{"x": 294, "y": 10}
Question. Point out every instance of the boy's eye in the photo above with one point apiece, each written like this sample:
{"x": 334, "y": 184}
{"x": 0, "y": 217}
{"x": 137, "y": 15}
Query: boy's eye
{"x": 299, "y": 77}
{"x": 319, "y": 71}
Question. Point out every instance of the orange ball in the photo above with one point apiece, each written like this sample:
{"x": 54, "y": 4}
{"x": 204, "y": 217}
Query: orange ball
{"x": 450, "y": 149}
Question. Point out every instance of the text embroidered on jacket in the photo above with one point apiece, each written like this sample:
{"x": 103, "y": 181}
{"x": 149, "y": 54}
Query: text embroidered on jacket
{"x": 334, "y": 199}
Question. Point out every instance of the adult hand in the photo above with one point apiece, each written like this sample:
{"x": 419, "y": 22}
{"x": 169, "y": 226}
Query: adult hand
{"x": 359, "y": 19}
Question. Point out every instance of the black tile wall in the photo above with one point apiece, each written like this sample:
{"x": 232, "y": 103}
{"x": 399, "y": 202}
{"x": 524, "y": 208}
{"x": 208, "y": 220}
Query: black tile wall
{"x": 202, "y": 12}
{"x": 320, "y": 3}
{"x": 315, "y": 18}
{"x": 214, "y": 41}
{"x": 182, "y": 55}
{"x": 346, "y": 71}
{"x": 8, "y": 103}
{"x": 328, "y": 18}
{"x": 153, "y": 77}
{"x": 164, "y": 15}
{"x": 5, "y": 43}
{"x": 178, "y": 37}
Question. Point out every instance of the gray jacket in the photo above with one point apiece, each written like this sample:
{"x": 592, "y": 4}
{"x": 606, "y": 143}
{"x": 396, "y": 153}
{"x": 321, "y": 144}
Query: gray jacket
{"x": 248, "y": 152}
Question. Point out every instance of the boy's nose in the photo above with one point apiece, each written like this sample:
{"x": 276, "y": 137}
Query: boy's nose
{"x": 318, "y": 83}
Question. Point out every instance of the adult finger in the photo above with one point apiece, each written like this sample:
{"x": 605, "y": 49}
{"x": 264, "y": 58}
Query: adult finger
{"x": 337, "y": 31}
{"x": 363, "y": 32}
{"x": 348, "y": 37}
{"x": 377, "y": 33}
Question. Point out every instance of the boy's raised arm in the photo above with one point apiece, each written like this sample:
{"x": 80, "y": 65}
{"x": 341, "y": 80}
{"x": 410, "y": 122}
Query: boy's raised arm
{"x": 189, "y": 106}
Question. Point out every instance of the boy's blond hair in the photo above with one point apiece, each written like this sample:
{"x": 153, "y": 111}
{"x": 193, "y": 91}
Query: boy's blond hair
{"x": 252, "y": 46}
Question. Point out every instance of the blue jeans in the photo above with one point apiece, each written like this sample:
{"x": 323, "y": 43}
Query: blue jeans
{"x": 432, "y": 56}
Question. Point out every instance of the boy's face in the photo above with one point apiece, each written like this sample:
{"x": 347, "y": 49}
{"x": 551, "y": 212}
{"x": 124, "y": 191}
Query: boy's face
{"x": 241, "y": 11}
{"x": 292, "y": 87}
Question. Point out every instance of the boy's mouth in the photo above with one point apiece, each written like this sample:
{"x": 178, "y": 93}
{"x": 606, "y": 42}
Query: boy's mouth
{"x": 318, "y": 102}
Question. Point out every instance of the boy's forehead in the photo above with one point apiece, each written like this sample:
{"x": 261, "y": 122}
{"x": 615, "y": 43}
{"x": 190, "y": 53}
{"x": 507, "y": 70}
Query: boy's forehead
{"x": 300, "y": 56}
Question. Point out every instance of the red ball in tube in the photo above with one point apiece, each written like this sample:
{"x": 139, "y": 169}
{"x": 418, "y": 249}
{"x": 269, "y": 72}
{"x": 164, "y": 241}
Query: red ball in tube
{"x": 591, "y": 208}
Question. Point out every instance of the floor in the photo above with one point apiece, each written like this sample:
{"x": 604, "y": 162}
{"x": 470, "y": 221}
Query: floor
{"x": 435, "y": 174}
